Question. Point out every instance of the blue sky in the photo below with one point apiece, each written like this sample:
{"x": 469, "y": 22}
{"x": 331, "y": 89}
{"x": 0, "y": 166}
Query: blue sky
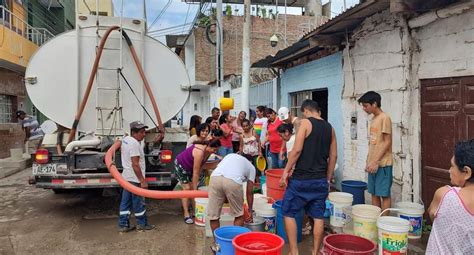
{"x": 177, "y": 13}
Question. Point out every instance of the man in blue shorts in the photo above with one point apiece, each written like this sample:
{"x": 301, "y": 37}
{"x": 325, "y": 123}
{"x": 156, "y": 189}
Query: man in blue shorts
{"x": 379, "y": 158}
{"x": 313, "y": 157}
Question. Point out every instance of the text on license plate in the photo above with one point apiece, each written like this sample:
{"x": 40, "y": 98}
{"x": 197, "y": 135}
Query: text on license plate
{"x": 44, "y": 169}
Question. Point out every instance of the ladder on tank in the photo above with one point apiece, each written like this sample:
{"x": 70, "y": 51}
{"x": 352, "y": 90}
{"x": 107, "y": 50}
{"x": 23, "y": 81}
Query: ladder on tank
{"x": 109, "y": 116}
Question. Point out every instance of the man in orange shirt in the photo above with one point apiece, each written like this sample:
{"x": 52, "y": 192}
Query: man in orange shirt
{"x": 379, "y": 158}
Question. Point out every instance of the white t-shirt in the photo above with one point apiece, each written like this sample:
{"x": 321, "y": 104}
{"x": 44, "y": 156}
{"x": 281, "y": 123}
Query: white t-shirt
{"x": 260, "y": 126}
{"x": 131, "y": 148}
{"x": 290, "y": 143}
{"x": 236, "y": 168}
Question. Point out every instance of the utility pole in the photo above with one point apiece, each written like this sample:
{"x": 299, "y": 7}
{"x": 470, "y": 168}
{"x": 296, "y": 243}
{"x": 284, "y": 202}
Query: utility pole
{"x": 246, "y": 58}
{"x": 219, "y": 46}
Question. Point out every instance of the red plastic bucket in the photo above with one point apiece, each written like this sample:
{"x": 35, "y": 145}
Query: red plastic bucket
{"x": 273, "y": 184}
{"x": 344, "y": 244}
{"x": 258, "y": 243}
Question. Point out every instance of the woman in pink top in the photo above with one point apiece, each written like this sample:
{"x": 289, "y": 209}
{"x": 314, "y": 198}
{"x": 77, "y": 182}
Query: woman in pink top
{"x": 452, "y": 208}
{"x": 225, "y": 122}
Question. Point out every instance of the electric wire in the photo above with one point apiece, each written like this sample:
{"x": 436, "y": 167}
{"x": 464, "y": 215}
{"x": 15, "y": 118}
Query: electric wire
{"x": 160, "y": 14}
{"x": 136, "y": 97}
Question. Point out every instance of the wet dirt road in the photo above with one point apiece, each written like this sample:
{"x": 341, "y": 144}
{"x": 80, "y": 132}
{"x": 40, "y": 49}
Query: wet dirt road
{"x": 37, "y": 221}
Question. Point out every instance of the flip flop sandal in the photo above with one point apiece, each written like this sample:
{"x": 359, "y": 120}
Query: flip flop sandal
{"x": 188, "y": 220}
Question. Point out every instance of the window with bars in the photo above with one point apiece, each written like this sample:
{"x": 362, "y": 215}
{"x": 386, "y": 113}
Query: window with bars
{"x": 297, "y": 99}
{"x": 318, "y": 95}
{"x": 6, "y": 108}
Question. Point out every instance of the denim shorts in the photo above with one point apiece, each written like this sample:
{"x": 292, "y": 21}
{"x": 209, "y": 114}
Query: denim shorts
{"x": 380, "y": 183}
{"x": 184, "y": 176}
{"x": 308, "y": 194}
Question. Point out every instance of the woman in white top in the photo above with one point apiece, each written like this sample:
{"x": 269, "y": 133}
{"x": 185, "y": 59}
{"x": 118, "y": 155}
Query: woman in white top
{"x": 249, "y": 141}
{"x": 452, "y": 208}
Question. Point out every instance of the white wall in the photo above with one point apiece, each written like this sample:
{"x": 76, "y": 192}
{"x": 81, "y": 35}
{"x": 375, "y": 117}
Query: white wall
{"x": 390, "y": 59}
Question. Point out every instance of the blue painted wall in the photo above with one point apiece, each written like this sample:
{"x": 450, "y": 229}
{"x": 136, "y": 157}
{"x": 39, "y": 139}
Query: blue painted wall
{"x": 322, "y": 73}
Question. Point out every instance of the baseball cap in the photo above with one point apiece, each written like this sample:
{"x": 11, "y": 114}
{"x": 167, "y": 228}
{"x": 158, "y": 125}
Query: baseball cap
{"x": 19, "y": 113}
{"x": 137, "y": 125}
{"x": 283, "y": 113}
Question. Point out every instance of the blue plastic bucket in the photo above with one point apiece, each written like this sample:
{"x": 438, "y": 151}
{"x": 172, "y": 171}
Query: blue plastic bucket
{"x": 280, "y": 225}
{"x": 263, "y": 180}
{"x": 224, "y": 236}
{"x": 356, "y": 188}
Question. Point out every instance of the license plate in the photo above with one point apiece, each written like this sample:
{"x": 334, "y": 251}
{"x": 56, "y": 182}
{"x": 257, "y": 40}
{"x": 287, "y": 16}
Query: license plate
{"x": 45, "y": 169}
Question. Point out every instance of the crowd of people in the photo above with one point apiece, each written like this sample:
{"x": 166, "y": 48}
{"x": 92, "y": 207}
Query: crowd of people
{"x": 306, "y": 148}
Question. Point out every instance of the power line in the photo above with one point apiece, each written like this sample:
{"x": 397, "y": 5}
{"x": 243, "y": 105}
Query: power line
{"x": 160, "y": 14}
{"x": 168, "y": 28}
{"x": 187, "y": 13}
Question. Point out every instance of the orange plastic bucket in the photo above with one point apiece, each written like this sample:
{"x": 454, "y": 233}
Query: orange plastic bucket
{"x": 258, "y": 243}
{"x": 273, "y": 184}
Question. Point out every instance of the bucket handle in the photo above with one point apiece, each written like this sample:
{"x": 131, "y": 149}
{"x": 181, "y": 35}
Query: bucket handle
{"x": 389, "y": 209}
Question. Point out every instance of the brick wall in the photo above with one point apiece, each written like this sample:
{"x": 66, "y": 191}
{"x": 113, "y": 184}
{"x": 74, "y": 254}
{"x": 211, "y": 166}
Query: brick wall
{"x": 11, "y": 134}
{"x": 262, "y": 30}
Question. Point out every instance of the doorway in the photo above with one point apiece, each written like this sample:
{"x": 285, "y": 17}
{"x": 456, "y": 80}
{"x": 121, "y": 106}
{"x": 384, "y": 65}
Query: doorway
{"x": 447, "y": 117}
{"x": 321, "y": 97}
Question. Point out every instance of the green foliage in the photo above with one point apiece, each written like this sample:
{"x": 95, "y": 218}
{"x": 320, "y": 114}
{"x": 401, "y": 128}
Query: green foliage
{"x": 228, "y": 10}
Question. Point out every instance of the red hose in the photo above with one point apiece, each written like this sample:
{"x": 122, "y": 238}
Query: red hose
{"x": 145, "y": 192}
{"x": 72, "y": 134}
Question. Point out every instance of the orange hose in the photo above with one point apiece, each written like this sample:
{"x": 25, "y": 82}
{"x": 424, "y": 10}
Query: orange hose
{"x": 72, "y": 134}
{"x": 145, "y": 192}
{"x": 145, "y": 81}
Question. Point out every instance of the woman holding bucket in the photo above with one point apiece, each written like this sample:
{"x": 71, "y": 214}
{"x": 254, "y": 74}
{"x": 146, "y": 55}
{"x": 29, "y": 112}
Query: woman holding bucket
{"x": 188, "y": 165}
{"x": 452, "y": 208}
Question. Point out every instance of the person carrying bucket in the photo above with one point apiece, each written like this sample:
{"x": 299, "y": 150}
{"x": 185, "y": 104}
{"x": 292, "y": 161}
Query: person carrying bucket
{"x": 315, "y": 154}
{"x": 452, "y": 208}
{"x": 227, "y": 184}
{"x": 379, "y": 158}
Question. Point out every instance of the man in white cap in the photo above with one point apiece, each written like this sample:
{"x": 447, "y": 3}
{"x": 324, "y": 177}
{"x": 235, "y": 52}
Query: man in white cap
{"x": 286, "y": 117}
{"x": 133, "y": 163}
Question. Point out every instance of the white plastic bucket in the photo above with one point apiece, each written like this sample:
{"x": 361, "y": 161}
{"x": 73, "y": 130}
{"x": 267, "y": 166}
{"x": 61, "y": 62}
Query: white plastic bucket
{"x": 393, "y": 235}
{"x": 413, "y": 213}
{"x": 269, "y": 215}
{"x": 200, "y": 211}
{"x": 339, "y": 200}
{"x": 365, "y": 221}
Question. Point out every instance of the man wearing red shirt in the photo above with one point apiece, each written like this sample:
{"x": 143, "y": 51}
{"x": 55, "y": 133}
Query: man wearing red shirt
{"x": 274, "y": 139}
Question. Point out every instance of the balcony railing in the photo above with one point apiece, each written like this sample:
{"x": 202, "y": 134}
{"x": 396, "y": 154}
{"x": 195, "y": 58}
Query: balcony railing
{"x": 11, "y": 21}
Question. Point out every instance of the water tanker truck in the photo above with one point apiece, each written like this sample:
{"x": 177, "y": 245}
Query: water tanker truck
{"x": 92, "y": 82}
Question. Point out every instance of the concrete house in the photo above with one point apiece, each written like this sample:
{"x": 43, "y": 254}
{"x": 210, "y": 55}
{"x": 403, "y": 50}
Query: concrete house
{"x": 317, "y": 76}
{"x": 419, "y": 56}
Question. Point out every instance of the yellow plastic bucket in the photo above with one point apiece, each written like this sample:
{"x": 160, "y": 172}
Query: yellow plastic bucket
{"x": 226, "y": 103}
{"x": 261, "y": 163}
{"x": 365, "y": 221}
